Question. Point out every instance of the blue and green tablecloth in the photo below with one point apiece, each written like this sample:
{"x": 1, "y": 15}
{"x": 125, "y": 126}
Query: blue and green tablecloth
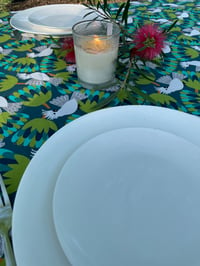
{"x": 37, "y": 84}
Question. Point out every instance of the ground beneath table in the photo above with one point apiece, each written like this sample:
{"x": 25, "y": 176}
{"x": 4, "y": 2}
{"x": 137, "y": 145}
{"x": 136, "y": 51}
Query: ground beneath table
{"x": 31, "y": 3}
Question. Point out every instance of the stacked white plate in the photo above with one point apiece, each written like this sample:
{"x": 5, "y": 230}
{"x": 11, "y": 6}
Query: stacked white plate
{"x": 118, "y": 186}
{"x": 50, "y": 19}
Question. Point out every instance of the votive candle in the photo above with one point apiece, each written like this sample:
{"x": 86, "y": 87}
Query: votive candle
{"x": 96, "y": 54}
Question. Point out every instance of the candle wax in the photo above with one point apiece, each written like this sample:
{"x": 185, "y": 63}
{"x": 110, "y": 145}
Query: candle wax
{"x": 95, "y": 60}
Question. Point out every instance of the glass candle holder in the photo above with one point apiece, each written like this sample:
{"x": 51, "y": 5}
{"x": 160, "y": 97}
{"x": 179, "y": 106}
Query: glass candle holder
{"x": 96, "y": 45}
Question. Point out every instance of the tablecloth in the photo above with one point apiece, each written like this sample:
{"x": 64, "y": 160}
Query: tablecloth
{"x": 37, "y": 83}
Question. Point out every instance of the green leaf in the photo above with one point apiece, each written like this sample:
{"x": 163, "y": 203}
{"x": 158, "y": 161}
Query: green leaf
{"x": 4, "y": 118}
{"x": 194, "y": 84}
{"x": 40, "y": 124}
{"x": 25, "y": 61}
{"x": 125, "y": 13}
{"x": 162, "y": 98}
{"x": 8, "y": 82}
{"x": 185, "y": 37}
{"x": 122, "y": 95}
{"x": 144, "y": 96}
{"x": 24, "y": 47}
{"x": 4, "y": 38}
{"x": 16, "y": 172}
{"x": 119, "y": 10}
{"x": 38, "y": 99}
{"x": 145, "y": 80}
{"x": 192, "y": 53}
{"x": 64, "y": 75}
{"x": 87, "y": 106}
{"x": 3, "y": 14}
{"x": 60, "y": 64}
{"x": 171, "y": 26}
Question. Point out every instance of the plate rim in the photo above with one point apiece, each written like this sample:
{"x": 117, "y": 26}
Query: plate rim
{"x": 27, "y": 26}
{"x": 53, "y": 6}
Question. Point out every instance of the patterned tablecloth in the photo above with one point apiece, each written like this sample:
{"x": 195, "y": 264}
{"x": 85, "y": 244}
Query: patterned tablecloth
{"x": 37, "y": 84}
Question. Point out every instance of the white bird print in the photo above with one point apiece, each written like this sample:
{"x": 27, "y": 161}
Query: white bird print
{"x": 2, "y": 143}
{"x": 3, "y": 102}
{"x": 39, "y": 78}
{"x": 166, "y": 49}
{"x": 5, "y": 51}
{"x": 175, "y": 83}
{"x": 186, "y": 64}
{"x": 182, "y": 15}
{"x": 147, "y": 63}
{"x": 184, "y": 0}
{"x": 67, "y": 106}
{"x": 137, "y": 3}
{"x": 172, "y": 5}
{"x": 196, "y": 47}
{"x": 3, "y": 22}
{"x": 155, "y": 10}
{"x": 28, "y": 36}
{"x": 11, "y": 108}
{"x": 44, "y": 51}
{"x": 71, "y": 68}
{"x": 192, "y": 32}
{"x": 161, "y": 20}
{"x": 114, "y": 88}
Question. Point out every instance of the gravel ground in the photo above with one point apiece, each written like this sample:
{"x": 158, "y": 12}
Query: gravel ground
{"x": 31, "y": 3}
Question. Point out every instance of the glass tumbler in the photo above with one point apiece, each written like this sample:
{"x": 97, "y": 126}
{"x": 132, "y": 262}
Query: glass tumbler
{"x": 96, "y": 45}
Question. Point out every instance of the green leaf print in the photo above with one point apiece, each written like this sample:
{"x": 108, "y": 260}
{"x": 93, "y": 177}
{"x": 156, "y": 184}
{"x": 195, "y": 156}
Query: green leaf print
{"x": 34, "y": 133}
{"x": 4, "y": 38}
{"x": 171, "y": 15}
{"x": 38, "y": 99}
{"x": 3, "y": 14}
{"x": 185, "y": 37}
{"x": 175, "y": 29}
{"x": 192, "y": 53}
{"x": 24, "y": 47}
{"x": 122, "y": 95}
{"x": 8, "y": 83}
{"x": 41, "y": 125}
{"x": 4, "y": 116}
{"x": 60, "y": 53}
{"x": 162, "y": 98}
{"x": 145, "y": 81}
{"x": 194, "y": 84}
{"x": 88, "y": 106}
{"x": 60, "y": 64}
{"x": 64, "y": 75}
{"x": 24, "y": 61}
{"x": 198, "y": 75}
{"x": 14, "y": 175}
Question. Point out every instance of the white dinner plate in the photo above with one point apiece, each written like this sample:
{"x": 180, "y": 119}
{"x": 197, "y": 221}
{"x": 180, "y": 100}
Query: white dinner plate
{"x": 50, "y": 19}
{"x": 34, "y": 238}
{"x": 128, "y": 197}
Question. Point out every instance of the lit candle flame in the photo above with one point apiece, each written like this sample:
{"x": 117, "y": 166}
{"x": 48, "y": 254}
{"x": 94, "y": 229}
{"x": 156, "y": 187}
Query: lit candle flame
{"x": 96, "y": 45}
{"x": 99, "y": 45}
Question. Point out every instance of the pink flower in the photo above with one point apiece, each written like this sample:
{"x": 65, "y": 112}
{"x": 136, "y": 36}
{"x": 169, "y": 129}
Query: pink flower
{"x": 68, "y": 45}
{"x": 70, "y": 57}
{"x": 149, "y": 41}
